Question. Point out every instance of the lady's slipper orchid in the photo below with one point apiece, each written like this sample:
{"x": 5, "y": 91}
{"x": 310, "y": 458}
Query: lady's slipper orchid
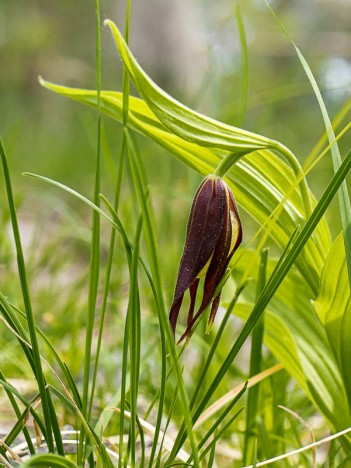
{"x": 213, "y": 235}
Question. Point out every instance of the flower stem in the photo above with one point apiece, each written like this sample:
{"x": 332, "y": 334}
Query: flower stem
{"x": 226, "y": 163}
{"x": 230, "y": 159}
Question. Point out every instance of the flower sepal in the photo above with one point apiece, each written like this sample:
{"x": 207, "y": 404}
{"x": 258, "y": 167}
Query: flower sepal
{"x": 213, "y": 235}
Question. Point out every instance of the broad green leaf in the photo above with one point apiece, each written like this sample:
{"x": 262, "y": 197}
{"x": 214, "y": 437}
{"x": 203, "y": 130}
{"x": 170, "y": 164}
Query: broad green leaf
{"x": 181, "y": 120}
{"x": 333, "y": 306}
{"x": 296, "y": 337}
{"x": 201, "y": 129}
{"x": 261, "y": 181}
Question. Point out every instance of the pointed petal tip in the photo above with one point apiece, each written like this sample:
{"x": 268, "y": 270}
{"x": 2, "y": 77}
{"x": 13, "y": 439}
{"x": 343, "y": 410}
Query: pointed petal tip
{"x": 174, "y": 313}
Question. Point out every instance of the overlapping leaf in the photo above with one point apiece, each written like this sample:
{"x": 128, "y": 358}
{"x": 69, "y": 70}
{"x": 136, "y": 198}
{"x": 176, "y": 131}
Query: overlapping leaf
{"x": 181, "y": 120}
{"x": 295, "y": 336}
{"x": 333, "y": 307}
{"x": 263, "y": 185}
{"x": 260, "y": 181}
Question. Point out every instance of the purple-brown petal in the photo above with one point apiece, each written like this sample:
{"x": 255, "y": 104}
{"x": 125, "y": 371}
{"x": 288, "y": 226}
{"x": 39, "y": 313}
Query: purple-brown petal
{"x": 174, "y": 312}
{"x": 193, "y": 291}
{"x": 203, "y": 231}
{"x": 220, "y": 260}
{"x": 214, "y": 308}
{"x": 210, "y": 242}
{"x": 220, "y": 257}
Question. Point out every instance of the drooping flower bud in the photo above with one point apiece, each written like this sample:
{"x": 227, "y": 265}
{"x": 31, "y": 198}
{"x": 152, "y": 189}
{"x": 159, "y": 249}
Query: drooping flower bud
{"x": 213, "y": 235}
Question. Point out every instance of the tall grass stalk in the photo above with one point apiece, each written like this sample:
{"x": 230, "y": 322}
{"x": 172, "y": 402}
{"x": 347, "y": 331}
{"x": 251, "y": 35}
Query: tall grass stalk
{"x": 95, "y": 240}
{"x": 165, "y": 329}
{"x": 255, "y": 367}
{"x": 134, "y": 339}
{"x": 244, "y": 65}
{"x": 94, "y": 270}
{"x": 50, "y": 418}
{"x": 343, "y": 196}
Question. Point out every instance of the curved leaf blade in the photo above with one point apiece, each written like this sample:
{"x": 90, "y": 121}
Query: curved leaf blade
{"x": 333, "y": 306}
{"x": 260, "y": 181}
{"x": 183, "y": 121}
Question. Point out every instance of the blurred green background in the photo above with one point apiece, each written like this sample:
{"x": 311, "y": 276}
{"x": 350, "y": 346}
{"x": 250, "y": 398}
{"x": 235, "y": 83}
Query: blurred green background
{"x": 191, "y": 48}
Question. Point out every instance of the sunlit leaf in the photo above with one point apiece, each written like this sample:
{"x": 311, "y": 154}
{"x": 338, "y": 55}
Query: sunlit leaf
{"x": 296, "y": 337}
{"x": 181, "y": 120}
{"x": 260, "y": 181}
{"x": 333, "y": 306}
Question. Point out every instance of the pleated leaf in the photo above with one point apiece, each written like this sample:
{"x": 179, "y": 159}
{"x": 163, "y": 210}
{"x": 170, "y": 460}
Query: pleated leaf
{"x": 260, "y": 181}
{"x": 333, "y": 307}
{"x": 181, "y": 120}
{"x": 298, "y": 340}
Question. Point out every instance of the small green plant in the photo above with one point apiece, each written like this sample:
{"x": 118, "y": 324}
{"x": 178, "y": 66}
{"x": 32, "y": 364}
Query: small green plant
{"x": 188, "y": 405}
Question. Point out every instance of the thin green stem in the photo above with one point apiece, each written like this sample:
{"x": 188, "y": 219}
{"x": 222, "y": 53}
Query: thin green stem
{"x": 134, "y": 339}
{"x": 123, "y": 388}
{"x": 165, "y": 328}
{"x": 255, "y": 366}
{"x": 228, "y": 161}
{"x": 108, "y": 270}
{"x": 244, "y": 65}
{"x": 95, "y": 248}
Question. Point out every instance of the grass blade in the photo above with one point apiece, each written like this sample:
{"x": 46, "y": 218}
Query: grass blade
{"x": 21, "y": 426}
{"x": 344, "y": 200}
{"x": 134, "y": 338}
{"x": 225, "y": 399}
{"x": 244, "y": 65}
{"x": 164, "y": 323}
{"x": 255, "y": 367}
{"x": 215, "y": 344}
{"x": 108, "y": 267}
{"x": 29, "y": 312}
{"x": 94, "y": 268}
{"x": 66, "y": 372}
{"x": 123, "y": 388}
{"x": 220, "y": 433}
{"x": 221, "y": 418}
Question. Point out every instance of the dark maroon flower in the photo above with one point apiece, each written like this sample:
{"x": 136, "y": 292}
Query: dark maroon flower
{"x": 213, "y": 234}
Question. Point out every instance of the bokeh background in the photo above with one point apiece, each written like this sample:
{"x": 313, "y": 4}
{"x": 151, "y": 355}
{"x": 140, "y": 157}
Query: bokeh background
{"x": 191, "y": 48}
